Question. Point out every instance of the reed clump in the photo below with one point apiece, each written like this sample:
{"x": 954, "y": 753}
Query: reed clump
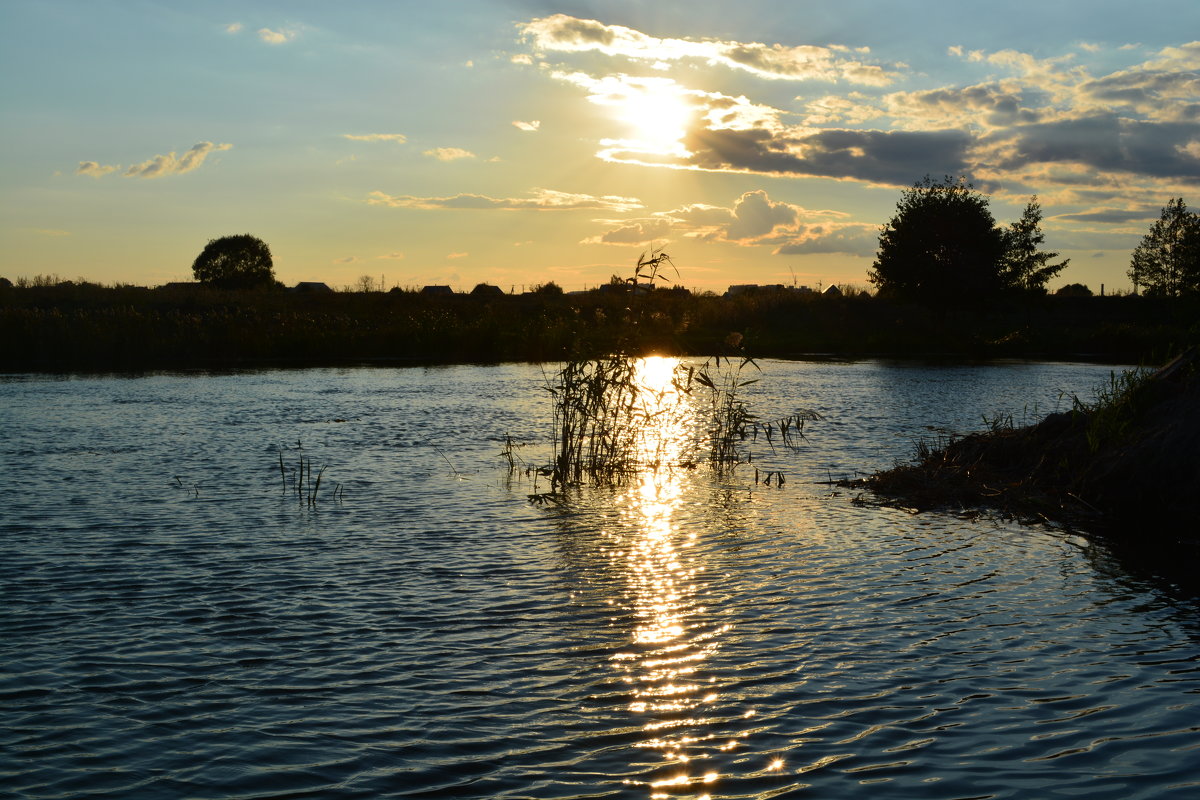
{"x": 610, "y": 424}
{"x": 299, "y": 480}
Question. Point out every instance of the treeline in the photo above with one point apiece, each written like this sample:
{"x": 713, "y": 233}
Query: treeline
{"x": 88, "y": 327}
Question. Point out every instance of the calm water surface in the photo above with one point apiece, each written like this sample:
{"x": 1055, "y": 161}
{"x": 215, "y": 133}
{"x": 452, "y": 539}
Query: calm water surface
{"x": 176, "y": 623}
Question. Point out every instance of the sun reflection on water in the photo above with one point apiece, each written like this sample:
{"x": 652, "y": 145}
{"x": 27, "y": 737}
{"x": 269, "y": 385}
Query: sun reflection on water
{"x": 670, "y": 640}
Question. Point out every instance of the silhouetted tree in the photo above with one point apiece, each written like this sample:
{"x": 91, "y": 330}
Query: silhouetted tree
{"x": 235, "y": 262}
{"x": 548, "y": 288}
{"x": 1167, "y": 262}
{"x": 1023, "y": 266}
{"x": 1074, "y": 290}
{"x": 942, "y": 245}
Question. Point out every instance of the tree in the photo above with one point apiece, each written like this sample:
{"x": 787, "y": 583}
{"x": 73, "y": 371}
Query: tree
{"x": 1074, "y": 290}
{"x": 942, "y": 245}
{"x": 548, "y": 289}
{"x": 235, "y": 262}
{"x": 1167, "y": 262}
{"x": 1023, "y": 266}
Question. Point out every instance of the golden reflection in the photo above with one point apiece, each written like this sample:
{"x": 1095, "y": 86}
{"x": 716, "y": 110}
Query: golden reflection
{"x": 671, "y": 636}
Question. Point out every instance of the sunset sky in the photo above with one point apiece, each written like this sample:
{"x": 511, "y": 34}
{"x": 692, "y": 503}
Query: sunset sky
{"x": 520, "y": 142}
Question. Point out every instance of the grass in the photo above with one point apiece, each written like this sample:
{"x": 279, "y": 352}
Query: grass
{"x": 604, "y": 410}
{"x": 301, "y": 481}
{"x": 1127, "y": 456}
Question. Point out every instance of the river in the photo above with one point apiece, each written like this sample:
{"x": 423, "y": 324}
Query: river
{"x": 178, "y": 621}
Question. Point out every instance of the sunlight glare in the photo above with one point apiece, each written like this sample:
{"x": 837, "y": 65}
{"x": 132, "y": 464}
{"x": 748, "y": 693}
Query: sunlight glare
{"x": 658, "y": 113}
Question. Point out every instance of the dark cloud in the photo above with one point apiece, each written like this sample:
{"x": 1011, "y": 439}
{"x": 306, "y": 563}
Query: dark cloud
{"x": 890, "y": 157}
{"x": 1109, "y": 143}
{"x": 1142, "y": 87}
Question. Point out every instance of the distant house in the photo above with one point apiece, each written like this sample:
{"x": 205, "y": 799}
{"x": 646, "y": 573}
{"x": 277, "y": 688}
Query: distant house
{"x": 315, "y": 287}
{"x": 752, "y": 288}
{"x": 741, "y": 288}
{"x": 439, "y": 291}
{"x": 180, "y": 285}
{"x": 832, "y": 291}
{"x": 485, "y": 290}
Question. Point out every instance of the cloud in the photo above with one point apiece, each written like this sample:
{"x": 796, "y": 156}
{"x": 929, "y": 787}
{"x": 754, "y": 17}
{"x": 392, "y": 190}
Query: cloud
{"x": 233, "y": 27}
{"x": 530, "y": 126}
{"x": 566, "y": 34}
{"x": 1104, "y": 142}
{"x": 986, "y": 105}
{"x": 753, "y": 220}
{"x": 457, "y": 255}
{"x": 853, "y": 109}
{"x": 449, "y": 153}
{"x": 397, "y": 256}
{"x": 168, "y": 164}
{"x": 157, "y": 167}
{"x": 1110, "y": 216}
{"x": 634, "y": 232}
{"x": 346, "y": 260}
{"x": 1059, "y": 125}
{"x": 851, "y": 238}
{"x": 872, "y": 156}
{"x": 398, "y": 138}
{"x": 281, "y": 36}
{"x": 94, "y": 169}
{"x": 541, "y": 200}
{"x": 755, "y": 215}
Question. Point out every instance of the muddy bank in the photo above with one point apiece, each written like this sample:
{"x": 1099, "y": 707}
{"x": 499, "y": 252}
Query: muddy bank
{"x": 1127, "y": 462}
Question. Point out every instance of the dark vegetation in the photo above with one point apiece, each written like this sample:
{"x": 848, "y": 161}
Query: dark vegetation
{"x": 944, "y": 246}
{"x": 951, "y": 283}
{"x": 235, "y": 262}
{"x": 1167, "y": 261}
{"x": 67, "y": 326}
{"x": 1128, "y": 459}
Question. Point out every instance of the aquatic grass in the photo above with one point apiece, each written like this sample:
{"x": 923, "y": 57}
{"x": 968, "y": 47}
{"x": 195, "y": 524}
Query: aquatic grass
{"x": 306, "y": 488}
{"x": 602, "y": 410}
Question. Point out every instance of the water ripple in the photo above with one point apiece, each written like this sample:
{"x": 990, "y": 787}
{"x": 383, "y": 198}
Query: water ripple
{"x": 433, "y": 635}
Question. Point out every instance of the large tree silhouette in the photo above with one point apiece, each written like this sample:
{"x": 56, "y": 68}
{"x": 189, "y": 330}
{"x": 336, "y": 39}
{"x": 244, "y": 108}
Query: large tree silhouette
{"x": 235, "y": 262}
{"x": 942, "y": 246}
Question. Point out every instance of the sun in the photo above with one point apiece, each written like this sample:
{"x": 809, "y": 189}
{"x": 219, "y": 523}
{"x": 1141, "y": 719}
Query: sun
{"x": 658, "y": 116}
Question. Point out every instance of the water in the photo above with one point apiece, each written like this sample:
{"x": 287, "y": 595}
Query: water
{"x": 178, "y": 624}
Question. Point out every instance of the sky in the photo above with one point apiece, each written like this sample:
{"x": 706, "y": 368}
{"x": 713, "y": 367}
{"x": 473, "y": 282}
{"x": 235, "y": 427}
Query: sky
{"x": 521, "y": 142}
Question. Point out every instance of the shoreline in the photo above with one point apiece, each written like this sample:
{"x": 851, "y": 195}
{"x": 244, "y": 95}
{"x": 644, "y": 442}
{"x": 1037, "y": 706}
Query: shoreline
{"x": 1128, "y": 460}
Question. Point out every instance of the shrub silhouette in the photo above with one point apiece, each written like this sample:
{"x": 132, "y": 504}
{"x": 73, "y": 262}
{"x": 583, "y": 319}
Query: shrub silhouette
{"x": 235, "y": 262}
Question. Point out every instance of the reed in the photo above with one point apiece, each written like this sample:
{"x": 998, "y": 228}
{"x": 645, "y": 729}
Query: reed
{"x": 602, "y": 411}
{"x": 306, "y": 488}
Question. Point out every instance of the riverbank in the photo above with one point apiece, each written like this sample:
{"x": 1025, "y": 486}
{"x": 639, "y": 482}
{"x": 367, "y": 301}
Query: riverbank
{"x": 1129, "y": 459}
{"x": 83, "y": 326}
